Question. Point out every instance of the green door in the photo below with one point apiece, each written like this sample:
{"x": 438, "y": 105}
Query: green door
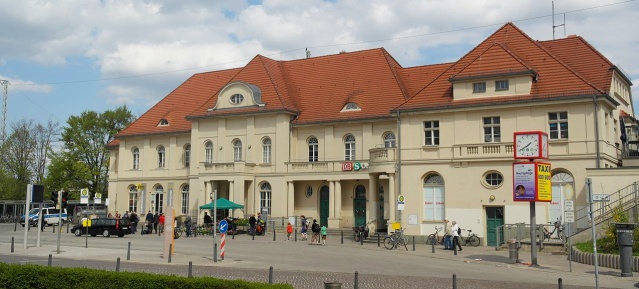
{"x": 359, "y": 205}
{"x": 324, "y": 206}
{"x": 494, "y": 219}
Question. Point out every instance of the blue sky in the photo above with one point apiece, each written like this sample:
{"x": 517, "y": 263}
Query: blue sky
{"x": 62, "y": 58}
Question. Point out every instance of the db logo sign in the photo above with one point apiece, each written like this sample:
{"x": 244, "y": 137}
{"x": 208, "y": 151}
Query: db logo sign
{"x": 354, "y": 166}
{"x": 347, "y": 166}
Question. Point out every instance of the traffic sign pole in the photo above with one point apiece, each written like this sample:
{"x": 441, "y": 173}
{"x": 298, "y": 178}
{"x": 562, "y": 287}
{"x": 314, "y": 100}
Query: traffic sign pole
{"x": 223, "y": 227}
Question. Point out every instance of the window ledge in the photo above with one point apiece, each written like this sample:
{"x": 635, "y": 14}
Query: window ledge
{"x": 431, "y": 148}
{"x": 558, "y": 141}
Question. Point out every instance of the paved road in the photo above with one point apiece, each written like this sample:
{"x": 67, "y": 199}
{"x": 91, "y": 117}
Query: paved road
{"x": 308, "y": 266}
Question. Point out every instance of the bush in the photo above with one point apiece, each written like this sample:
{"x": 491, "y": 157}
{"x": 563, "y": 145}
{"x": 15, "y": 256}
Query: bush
{"x": 13, "y": 276}
{"x": 608, "y": 243}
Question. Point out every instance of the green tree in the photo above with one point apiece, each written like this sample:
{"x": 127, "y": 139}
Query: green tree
{"x": 83, "y": 161}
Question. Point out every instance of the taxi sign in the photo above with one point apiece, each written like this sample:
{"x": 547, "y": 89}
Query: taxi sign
{"x": 224, "y": 225}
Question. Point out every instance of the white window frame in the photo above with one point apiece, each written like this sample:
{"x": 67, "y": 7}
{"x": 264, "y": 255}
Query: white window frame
{"x": 434, "y": 198}
{"x": 313, "y": 150}
{"x": 349, "y": 147}
{"x": 501, "y": 85}
{"x": 133, "y": 199}
{"x": 161, "y": 157}
{"x": 237, "y": 150}
{"x": 431, "y": 133}
{"x": 208, "y": 152}
{"x": 266, "y": 151}
{"x": 265, "y": 197}
{"x": 492, "y": 129}
{"x": 493, "y": 179}
{"x": 185, "y": 199}
{"x": 236, "y": 98}
{"x": 558, "y": 119}
{"x": 479, "y": 87}
{"x": 187, "y": 155}
{"x": 390, "y": 140}
{"x": 136, "y": 158}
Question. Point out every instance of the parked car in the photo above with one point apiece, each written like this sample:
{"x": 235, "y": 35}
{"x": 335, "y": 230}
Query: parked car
{"x": 104, "y": 226}
{"x": 51, "y": 216}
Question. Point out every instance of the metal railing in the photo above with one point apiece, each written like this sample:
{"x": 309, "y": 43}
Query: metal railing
{"x": 520, "y": 232}
{"x": 602, "y": 210}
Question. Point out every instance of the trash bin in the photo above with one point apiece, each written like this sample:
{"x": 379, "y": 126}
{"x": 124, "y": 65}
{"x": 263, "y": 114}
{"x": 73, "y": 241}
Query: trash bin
{"x": 331, "y": 285}
{"x": 513, "y": 252}
{"x": 625, "y": 241}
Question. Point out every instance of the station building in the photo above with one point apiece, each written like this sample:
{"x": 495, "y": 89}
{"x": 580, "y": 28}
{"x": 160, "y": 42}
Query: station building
{"x": 341, "y": 137}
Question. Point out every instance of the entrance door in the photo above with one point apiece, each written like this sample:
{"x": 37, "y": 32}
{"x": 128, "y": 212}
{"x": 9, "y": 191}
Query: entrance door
{"x": 494, "y": 219}
{"x": 157, "y": 204}
{"x": 324, "y": 206}
{"x": 359, "y": 205}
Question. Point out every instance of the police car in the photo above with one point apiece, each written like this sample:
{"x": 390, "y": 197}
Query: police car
{"x": 51, "y": 216}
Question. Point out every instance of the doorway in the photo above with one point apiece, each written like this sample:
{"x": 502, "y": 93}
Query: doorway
{"x": 494, "y": 219}
{"x": 157, "y": 202}
{"x": 359, "y": 205}
{"x": 324, "y": 198}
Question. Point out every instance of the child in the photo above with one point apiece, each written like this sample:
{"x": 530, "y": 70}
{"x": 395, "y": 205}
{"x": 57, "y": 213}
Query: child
{"x": 315, "y": 229}
{"x": 323, "y": 235}
{"x": 304, "y": 228}
{"x": 289, "y": 231}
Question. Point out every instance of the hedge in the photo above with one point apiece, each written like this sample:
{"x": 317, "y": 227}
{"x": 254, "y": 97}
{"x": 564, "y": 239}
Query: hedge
{"x": 15, "y": 276}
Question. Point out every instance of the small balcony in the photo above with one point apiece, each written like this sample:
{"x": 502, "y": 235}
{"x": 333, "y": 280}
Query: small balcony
{"x": 234, "y": 167}
{"x": 382, "y": 155}
{"x": 482, "y": 151}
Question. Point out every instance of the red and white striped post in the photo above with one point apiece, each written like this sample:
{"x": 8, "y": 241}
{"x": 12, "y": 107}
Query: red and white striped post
{"x": 222, "y": 243}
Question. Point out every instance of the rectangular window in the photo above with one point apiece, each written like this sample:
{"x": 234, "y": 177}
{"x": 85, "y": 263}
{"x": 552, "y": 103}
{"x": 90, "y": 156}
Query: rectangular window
{"x": 136, "y": 161}
{"x": 558, "y": 125}
{"x": 501, "y": 84}
{"x": 161, "y": 159}
{"x": 185, "y": 203}
{"x": 187, "y": 158}
{"x": 431, "y": 132}
{"x": 434, "y": 203}
{"x": 266, "y": 150}
{"x": 313, "y": 153}
{"x": 492, "y": 132}
{"x": 479, "y": 87}
{"x": 133, "y": 201}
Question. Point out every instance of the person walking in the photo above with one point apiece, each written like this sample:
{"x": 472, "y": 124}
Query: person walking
{"x": 156, "y": 220}
{"x": 161, "y": 224}
{"x": 207, "y": 222}
{"x": 149, "y": 223}
{"x": 315, "y": 228}
{"x": 456, "y": 231}
{"x": 304, "y": 228}
{"x": 323, "y": 231}
{"x": 133, "y": 218}
{"x": 289, "y": 231}
{"x": 252, "y": 222}
{"x": 448, "y": 238}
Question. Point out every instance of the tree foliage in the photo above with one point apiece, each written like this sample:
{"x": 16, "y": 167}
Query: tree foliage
{"x": 83, "y": 161}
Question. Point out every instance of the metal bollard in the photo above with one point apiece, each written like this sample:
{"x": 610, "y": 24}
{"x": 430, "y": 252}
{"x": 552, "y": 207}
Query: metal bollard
{"x": 67, "y": 227}
{"x": 270, "y": 275}
{"x": 190, "y": 269}
{"x": 253, "y": 236}
{"x": 273, "y": 234}
{"x": 361, "y": 239}
{"x": 295, "y": 235}
{"x": 378, "y": 237}
{"x": 170, "y": 250}
{"x": 560, "y": 283}
{"x": 12, "y": 244}
{"x": 455, "y": 242}
{"x": 234, "y": 233}
{"x": 128, "y": 252}
{"x": 50, "y": 259}
{"x": 342, "y": 239}
{"x": 432, "y": 247}
{"x": 356, "y": 283}
{"x": 117, "y": 265}
{"x": 454, "y": 281}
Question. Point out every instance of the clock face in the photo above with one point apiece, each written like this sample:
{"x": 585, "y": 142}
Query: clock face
{"x": 527, "y": 145}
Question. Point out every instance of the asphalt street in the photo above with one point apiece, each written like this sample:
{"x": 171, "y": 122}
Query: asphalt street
{"x": 308, "y": 266}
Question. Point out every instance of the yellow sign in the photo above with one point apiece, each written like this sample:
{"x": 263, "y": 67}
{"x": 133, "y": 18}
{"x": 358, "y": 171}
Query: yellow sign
{"x": 84, "y": 192}
{"x": 140, "y": 187}
{"x": 544, "y": 187}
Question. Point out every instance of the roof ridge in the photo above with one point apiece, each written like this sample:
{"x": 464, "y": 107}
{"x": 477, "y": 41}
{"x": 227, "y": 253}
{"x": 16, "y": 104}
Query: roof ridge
{"x": 398, "y": 78}
{"x": 270, "y": 78}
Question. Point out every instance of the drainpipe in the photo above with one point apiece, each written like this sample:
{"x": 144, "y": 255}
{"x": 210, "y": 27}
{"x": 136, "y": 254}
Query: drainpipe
{"x": 398, "y": 168}
{"x": 596, "y": 114}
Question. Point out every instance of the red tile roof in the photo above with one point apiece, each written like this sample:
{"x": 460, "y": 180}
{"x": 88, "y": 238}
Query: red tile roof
{"x": 316, "y": 89}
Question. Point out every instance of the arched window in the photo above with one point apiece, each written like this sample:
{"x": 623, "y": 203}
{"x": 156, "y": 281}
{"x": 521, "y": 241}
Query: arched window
{"x": 389, "y": 140}
{"x": 187, "y": 155}
{"x": 237, "y": 150}
{"x": 185, "y": 199}
{"x": 434, "y": 197}
{"x": 133, "y": 199}
{"x": 265, "y": 196}
{"x": 136, "y": 159}
{"x": 266, "y": 151}
{"x": 349, "y": 147}
{"x": 157, "y": 199}
{"x": 161, "y": 157}
{"x": 563, "y": 189}
{"x": 208, "y": 152}
{"x": 313, "y": 149}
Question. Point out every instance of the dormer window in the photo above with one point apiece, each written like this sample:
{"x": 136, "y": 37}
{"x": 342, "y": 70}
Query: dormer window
{"x": 351, "y": 107}
{"x": 163, "y": 122}
{"x": 479, "y": 87}
{"x": 501, "y": 85}
{"x": 237, "y": 98}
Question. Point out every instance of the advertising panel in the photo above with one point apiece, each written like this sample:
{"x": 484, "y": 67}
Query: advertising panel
{"x": 531, "y": 182}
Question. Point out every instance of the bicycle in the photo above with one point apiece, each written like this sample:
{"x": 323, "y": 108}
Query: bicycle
{"x": 434, "y": 238}
{"x": 396, "y": 239}
{"x": 557, "y": 228}
{"x": 471, "y": 239}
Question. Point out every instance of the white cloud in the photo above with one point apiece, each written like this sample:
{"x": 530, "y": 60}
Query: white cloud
{"x": 23, "y": 85}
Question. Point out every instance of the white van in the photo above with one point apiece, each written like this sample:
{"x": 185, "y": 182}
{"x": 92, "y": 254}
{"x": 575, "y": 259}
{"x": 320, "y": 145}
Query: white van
{"x": 51, "y": 216}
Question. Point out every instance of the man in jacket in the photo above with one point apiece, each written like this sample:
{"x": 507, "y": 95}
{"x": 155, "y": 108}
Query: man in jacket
{"x": 252, "y": 222}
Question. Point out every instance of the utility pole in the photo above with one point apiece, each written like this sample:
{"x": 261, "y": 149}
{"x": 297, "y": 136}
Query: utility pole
{"x": 4, "y": 84}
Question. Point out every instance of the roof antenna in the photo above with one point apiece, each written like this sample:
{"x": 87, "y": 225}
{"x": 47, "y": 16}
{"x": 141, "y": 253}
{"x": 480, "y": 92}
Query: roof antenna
{"x": 308, "y": 53}
{"x": 553, "y": 22}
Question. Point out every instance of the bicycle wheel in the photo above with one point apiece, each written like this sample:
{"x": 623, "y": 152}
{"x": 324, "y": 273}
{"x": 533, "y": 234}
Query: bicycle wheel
{"x": 358, "y": 237}
{"x": 473, "y": 240}
{"x": 389, "y": 242}
{"x": 431, "y": 239}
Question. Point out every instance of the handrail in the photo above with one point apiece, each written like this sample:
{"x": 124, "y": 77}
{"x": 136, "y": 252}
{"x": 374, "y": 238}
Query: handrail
{"x": 602, "y": 210}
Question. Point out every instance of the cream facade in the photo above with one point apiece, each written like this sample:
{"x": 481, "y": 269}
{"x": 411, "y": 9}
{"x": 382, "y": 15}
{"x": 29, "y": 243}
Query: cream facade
{"x": 446, "y": 161}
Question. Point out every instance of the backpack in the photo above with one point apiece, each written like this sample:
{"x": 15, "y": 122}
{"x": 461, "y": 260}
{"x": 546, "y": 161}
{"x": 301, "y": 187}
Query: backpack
{"x": 458, "y": 231}
{"x": 315, "y": 228}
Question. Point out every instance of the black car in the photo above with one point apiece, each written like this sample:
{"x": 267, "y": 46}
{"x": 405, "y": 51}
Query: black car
{"x": 105, "y": 227}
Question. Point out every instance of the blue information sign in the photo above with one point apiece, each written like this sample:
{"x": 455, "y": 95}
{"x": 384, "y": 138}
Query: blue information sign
{"x": 224, "y": 225}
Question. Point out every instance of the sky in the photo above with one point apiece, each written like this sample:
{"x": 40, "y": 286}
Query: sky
{"x": 65, "y": 57}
